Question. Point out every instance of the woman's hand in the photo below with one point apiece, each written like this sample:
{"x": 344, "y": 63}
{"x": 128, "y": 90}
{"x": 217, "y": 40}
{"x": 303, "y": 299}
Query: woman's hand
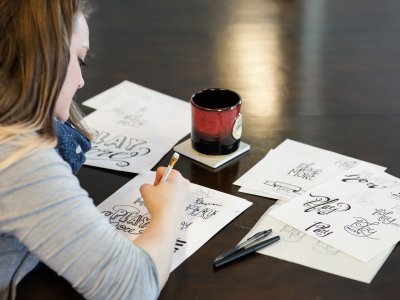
{"x": 168, "y": 197}
{"x": 166, "y": 201}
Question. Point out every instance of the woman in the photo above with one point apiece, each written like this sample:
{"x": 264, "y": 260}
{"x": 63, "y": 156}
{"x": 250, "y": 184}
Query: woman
{"x": 44, "y": 214}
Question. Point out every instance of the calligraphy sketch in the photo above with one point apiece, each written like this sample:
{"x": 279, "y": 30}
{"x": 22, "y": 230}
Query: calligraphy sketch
{"x": 134, "y": 119}
{"x": 298, "y": 247}
{"x": 323, "y": 205}
{"x": 291, "y": 234}
{"x": 395, "y": 195}
{"x": 334, "y": 214}
{"x": 284, "y": 187}
{"x": 369, "y": 179}
{"x": 362, "y": 228}
{"x": 289, "y": 175}
{"x": 306, "y": 171}
{"x": 132, "y": 135}
{"x": 293, "y": 168}
{"x": 207, "y": 211}
{"x": 118, "y": 150}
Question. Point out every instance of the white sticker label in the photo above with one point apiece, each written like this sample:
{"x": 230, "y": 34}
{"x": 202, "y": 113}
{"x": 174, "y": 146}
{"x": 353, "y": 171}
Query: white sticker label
{"x": 237, "y": 127}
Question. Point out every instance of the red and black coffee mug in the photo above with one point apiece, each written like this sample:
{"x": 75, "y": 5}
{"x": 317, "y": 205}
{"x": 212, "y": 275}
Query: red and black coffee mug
{"x": 216, "y": 121}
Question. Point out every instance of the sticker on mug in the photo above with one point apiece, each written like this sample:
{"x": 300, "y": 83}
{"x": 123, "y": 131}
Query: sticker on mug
{"x": 237, "y": 127}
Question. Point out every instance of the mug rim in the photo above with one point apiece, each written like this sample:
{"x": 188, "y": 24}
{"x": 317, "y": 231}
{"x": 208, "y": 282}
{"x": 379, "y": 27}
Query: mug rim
{"x": 239, "y": 102}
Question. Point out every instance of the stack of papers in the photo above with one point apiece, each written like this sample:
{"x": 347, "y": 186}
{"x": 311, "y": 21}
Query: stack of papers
{"x": 292, "y": 169}
{"x": 336, "y": 213}
{"x": 134, "y": 127}
{"x": 207, "y": 212}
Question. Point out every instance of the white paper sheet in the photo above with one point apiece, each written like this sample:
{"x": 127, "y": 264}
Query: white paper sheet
{"x": 289, "y": 175}
{"x": 207, "y": 212}
{"x": 125, "y": 87}
{"x": 298, "y": 247}
{"x": 358, "y": 212}
{"x": 293, "y": 168}
{"x": 256, "y": 168}
{"x": 249, "y": 175}
{"x": 342, "y": 161}
{"x": 132, "y": 134}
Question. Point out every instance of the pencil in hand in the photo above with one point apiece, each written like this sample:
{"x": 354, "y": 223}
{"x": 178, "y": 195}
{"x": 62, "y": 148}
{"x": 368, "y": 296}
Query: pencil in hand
{"x": 171, "y": 164}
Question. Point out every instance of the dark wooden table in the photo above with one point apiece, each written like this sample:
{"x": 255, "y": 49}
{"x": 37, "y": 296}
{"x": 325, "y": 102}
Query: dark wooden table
{"x": 326, "y": 73}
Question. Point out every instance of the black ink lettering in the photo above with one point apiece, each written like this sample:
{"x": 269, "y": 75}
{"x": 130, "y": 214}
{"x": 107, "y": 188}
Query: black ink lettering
{"x": 117, "y": 141}
{"x": 395, "y": 196}
{"x": 99, "y": 137}
{"x": 358, "y": 178}
{"x": 285, "y": 187}
{"x": 305, "y": 171}
{"x": 361, "y": 228}
{"x": 324, "y": 205}
{"x": 384, "y": 216}
{"x": 201, "y": 212}
{"x": 185, "y": 225}
{"x": 200, "y": 201}
{"x": 179, "y": 244}
{"x": 320, "y": 229}
{"x": 139, "y": 201}
{"x": 134, "y": 143}
{"x": 120, "y": 158}
{"x": 128, "y": 219}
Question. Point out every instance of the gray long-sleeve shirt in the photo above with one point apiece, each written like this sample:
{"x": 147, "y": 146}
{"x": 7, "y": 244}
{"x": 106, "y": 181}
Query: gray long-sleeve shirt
{"x": 45, "y": 215}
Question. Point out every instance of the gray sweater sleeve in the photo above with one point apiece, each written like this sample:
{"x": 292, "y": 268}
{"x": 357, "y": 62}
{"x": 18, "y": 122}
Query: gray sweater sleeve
{"x": 44, "y": 207}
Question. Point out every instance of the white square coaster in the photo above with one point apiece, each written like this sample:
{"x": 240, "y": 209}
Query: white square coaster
{"x": 213, "y": 161}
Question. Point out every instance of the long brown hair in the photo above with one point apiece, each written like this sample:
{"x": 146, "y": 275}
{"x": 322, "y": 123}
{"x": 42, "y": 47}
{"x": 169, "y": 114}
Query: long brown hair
{"x": 34, "y": 56}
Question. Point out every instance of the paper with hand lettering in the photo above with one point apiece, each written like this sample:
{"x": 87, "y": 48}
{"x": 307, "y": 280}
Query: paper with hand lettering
{"x": 293, "y": 168}
{"x": 290, "y": 175}
{"x": 249, "y": 176}
{"x": 132, "y": 134}
{"x": 298, "y": 247}
{"x": 207, "y": 212}
{"x": 357, "y": 212}
{"x": 309, "y": 150}
{"x": 125, "y": 87}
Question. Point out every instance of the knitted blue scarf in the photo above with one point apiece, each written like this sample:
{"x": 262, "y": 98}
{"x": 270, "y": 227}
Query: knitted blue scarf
{"x": 72, "y": 145}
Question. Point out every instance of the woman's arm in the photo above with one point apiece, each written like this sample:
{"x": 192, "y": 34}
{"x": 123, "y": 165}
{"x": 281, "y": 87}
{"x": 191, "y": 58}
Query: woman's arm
{"x": 47, "y": 211}
{"x": 166, "y": 202}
